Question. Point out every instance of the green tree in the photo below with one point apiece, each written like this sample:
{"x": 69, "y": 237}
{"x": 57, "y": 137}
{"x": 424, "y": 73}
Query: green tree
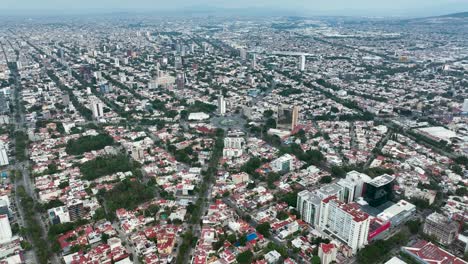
{"x": 245, "y": 257}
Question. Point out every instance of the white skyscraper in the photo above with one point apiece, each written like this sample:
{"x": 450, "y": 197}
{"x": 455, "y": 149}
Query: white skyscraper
{"x": 3, "y": 155}
{"x": 465, "y": 106}
{"x": 97, "y": 108}
{"x": 221, "y": 105}
{"x": 5, "y": 229}
{"x": 302, "y": 62}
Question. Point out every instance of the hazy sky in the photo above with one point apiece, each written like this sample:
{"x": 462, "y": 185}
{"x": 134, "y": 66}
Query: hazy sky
{"x": 338, "y": 7}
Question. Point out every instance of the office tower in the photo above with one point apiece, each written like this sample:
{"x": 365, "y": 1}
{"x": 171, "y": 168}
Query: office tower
{"x": 295, "y": 117}
{"x": 254, "y": 61}
{"x": 243, "y": 54}
{"x": 344, "y": 221}
{"x": 379, "y": 190}
{"x": 76, "y": 210}
{"x": 116, "y": 62}
{"x": 302, "y": 62}
{"x": 5, "y": 229}
{"x": 192, "y": 47}
{"x": 221, "y": 105}
{"x": 327, "y": 253}
{"x": 308, "y": 206}
{"x": 3, "y": 155}
{"x": 353, "y": 186}
{"x": 4, "y": 107}
{"x": 19, "y": 65}
{"x": 441, "y": 227}
{"x": 97, "y": 108}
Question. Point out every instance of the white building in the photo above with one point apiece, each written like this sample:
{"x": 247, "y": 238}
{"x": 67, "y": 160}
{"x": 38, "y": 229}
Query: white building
{"x": 233, "y": 147}
{"x": 353, "y": 186}
{"x": 283, "y": 163}
{"x": 98, "y": 108}
{"x": 5, "y": 229}
{"x": 221, "y": 105}
{"x": 345, "y": 222}
{"x": 465, "y": 106}
{"x": 3, "y": 154}
{"x": 272, "y": 257}
{"x": 327, "y": 253}
{"x": 302, "y": 62}
{"x": 308, "y": 206}
{"x": 198, "y": 116}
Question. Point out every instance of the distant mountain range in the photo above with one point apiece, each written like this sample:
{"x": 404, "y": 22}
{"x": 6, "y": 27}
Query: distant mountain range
{"x": 457, "y": 15}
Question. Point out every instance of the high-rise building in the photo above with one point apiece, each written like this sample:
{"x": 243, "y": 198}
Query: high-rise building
{"x": 180, "y": 81}
{"x": 346, "y": 222}
{"x": 353, "y": 186}
{"x": 302, "y": 62}
{"x": 221, "y": 105}
{"x": 441, "y": 227}
{"x": 76, "y": 210}
{"x": 233, "y": 147}
{"x": 5, "y": 229}
{"x": 116, "y": 62}
{"x": 295, "y": 117}
{"x": 308, "y": 206}
{"x": 379, "y": 190}
{"x": 97, "y": 108}
{"x": 253, "y": 64}
{"x": 243, "y": 54}
{"x": 3, "y": 155}
{"x": 178, "y": 62}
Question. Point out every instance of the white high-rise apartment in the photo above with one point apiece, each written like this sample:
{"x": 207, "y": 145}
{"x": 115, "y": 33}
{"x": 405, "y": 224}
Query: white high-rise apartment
{"x": 97, "y": 108}
{"x": 302, "y": 62}
{"x": 345, "y": 221}
{"x": 3, "y": 155}
{"x": 5, "y": 229}
{"x": 221, "y": 105}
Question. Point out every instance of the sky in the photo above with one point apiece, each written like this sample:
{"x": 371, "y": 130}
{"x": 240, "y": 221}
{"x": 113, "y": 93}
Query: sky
{"x": 302, "y": 7}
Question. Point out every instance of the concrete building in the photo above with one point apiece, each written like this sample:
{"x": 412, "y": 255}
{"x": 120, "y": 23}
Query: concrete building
{"x": 243, "y": 54}
{"x": 233, "y": 147}
{"x": 398, "y": 213}
{"x": 441, "y": 227}
{"x": 295, "y": 117}
{"x": 327, "y": 253}
{"x": 5, "y": 229}
{"x": 97, "y": 108}
{"x": 302, "y": 62}
{"x": 345, "y": 222}
{"x": 353, "y": 186}
{"x": 379, "y": 190}
{"x": 58, "y": 215}
{"x": 221, "y": 105}
{"x": 282, "y": 164}
{"x": 308, "y": 206}
{"x": 76, "y": 210}
{"x": 3, "y": 155}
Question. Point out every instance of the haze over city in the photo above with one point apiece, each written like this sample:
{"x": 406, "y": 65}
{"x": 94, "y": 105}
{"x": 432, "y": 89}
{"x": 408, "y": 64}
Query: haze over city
{"x": 233, "y": 132}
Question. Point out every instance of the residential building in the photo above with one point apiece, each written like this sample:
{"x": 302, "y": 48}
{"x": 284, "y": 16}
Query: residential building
{"x": 345, "y": 222}
{"x": 327, "y": 253}
{"x": 441, "y": 227}
{"x": 5, "y": 229}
